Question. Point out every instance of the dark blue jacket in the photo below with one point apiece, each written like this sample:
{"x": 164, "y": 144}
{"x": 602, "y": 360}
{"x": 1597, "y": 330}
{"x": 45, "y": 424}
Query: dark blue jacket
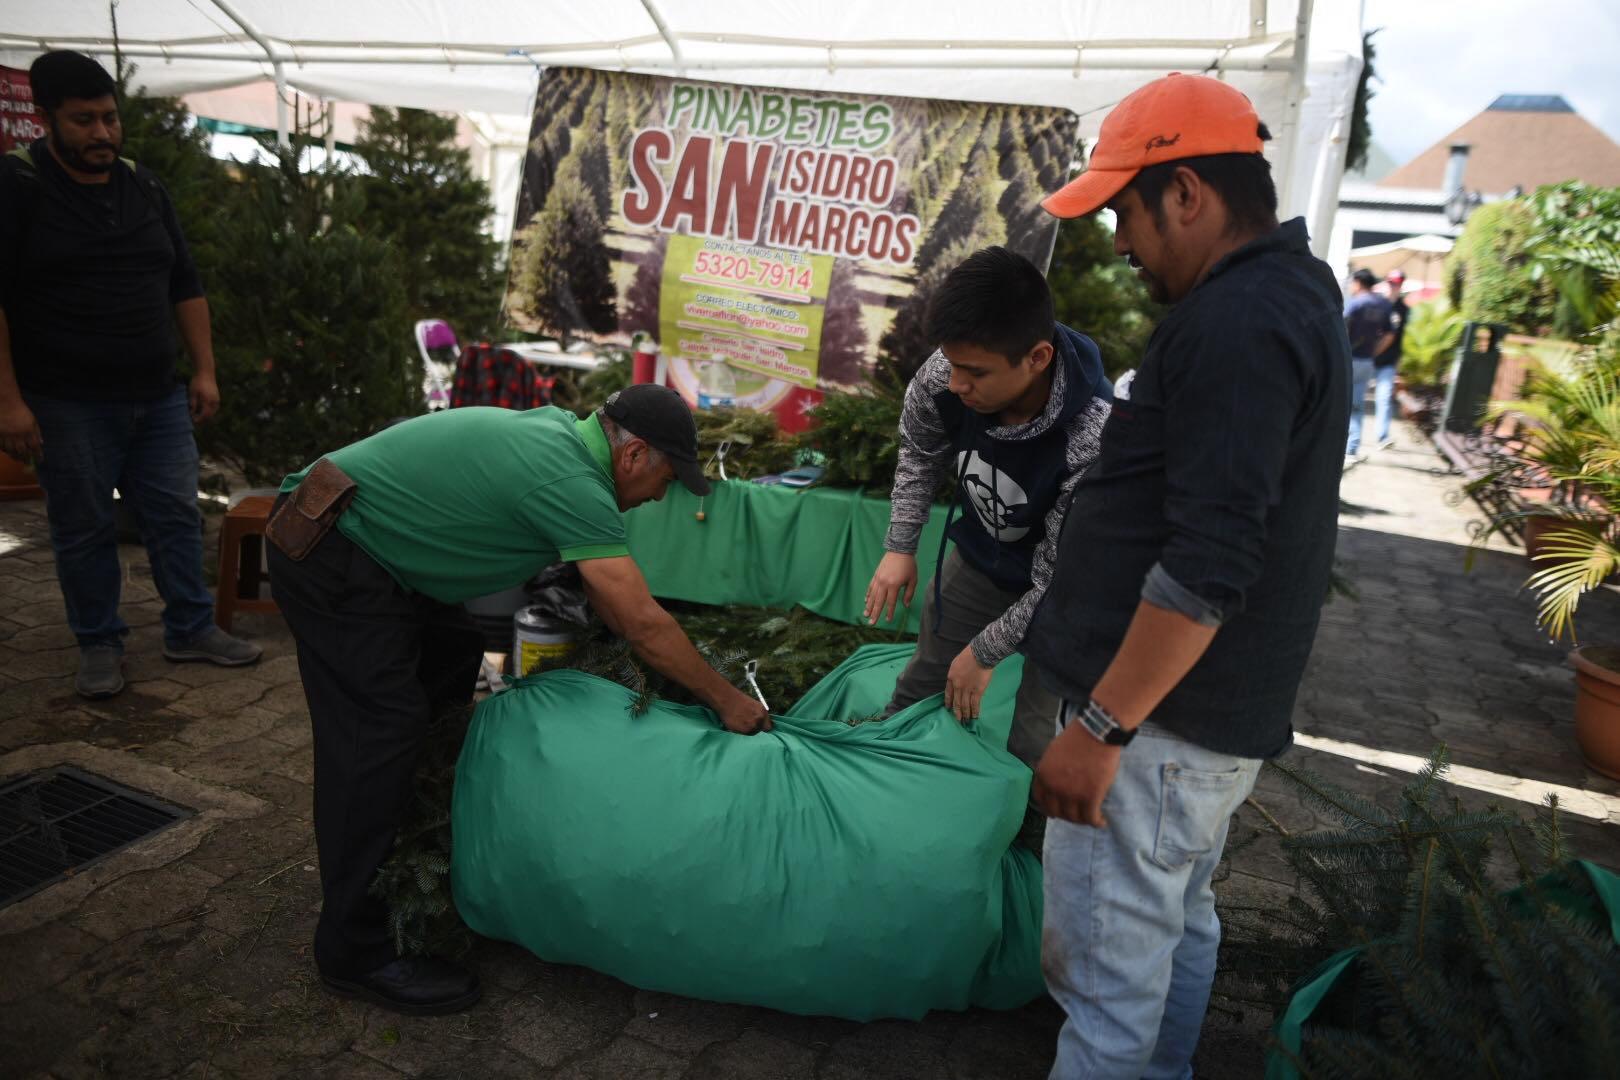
{"x": 1222, "y": 467}
{"x": 1005, "y": 484}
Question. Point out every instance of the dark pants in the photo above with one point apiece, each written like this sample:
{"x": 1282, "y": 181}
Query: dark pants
{"x": 146, "y": 450}
{"x": 377, "y": 663}
{"x": 972, "y": 602}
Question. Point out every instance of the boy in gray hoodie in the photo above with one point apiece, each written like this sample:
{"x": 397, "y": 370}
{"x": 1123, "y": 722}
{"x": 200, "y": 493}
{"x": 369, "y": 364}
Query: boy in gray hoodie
{"x": 1011, "y": 404}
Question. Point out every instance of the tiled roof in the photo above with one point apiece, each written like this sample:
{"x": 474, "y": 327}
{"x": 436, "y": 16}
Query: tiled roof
{"x": 1514, "y": 145}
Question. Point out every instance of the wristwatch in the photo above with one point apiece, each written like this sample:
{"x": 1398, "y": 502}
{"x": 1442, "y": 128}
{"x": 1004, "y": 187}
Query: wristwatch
{"x": 1101, "y": 724}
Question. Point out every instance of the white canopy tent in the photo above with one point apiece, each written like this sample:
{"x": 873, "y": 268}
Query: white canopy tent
{"x": 1298, "y": 60}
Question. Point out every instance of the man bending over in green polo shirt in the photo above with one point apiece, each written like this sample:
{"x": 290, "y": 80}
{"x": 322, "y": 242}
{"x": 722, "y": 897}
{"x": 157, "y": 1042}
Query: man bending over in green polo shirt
{"x": 446, "y": 507}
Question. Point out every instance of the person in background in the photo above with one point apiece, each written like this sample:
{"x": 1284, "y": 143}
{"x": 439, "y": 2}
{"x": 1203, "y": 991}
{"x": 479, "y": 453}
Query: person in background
{"x": 372, "y": 550}
{"x": 1367, "y": 322}
{"x": 1190, "y": 574}
{"x": 1011, "y": 403}
{"x": 95, "y": 278}
{"x": 1387, "y": 362}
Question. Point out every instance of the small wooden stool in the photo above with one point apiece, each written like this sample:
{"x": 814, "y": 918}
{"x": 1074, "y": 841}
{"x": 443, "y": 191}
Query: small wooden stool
{"x": 240, "y": 537}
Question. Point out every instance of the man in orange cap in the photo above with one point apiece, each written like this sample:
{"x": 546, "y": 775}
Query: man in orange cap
{"x": 1191, "y": 573}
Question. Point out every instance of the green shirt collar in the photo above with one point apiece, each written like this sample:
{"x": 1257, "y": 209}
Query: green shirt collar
{"x": 590, "y": 430}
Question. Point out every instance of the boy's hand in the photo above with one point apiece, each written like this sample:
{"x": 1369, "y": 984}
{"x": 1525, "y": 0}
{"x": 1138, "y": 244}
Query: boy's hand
{"x": 894, "y": 580}
{"x": 965, "y": 684}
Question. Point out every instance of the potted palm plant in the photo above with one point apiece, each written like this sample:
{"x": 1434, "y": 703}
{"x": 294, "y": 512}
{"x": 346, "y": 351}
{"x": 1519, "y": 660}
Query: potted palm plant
{"x": 1540, "y": 467}
{"x": 1580, "y": 554}
{"x": 1577, "y": 558}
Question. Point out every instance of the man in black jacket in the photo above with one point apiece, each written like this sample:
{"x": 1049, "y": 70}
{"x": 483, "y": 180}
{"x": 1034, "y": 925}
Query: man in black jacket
{"x": 94, "y": 279}
{"x": 1190, "y": 573}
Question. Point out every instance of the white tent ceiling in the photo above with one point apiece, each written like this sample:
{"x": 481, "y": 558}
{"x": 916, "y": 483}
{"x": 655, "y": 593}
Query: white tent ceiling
{"x": 482, "y": 56}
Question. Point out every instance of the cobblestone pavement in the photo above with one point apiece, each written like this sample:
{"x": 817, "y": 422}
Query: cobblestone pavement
{"x": 188, "y": 955}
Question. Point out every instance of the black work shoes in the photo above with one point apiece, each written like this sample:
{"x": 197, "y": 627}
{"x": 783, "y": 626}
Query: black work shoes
{"x": 413, "y": 985}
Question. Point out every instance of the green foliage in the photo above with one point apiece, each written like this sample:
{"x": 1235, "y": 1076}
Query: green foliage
{"x": 313, "y": 279}
{"x": 590, "y": 390}
{"x": 757, "y": 447}
{"x": 1571, "y": 444}
{"x": 1490, "y": 272}
{"x": 1429, "y": 344}
{"x": 1586, "y": 552}
{"x": 420, "y": 194}
{"x": 414, "y": 883}
{"x": 1360, "y": 137}
{"x": 1096, "y": 293}
{"x": 795, "y": 649}
{"x": 859, "y": 433}
{"x": 1456, "y": 978}
{"x": 311, "y": 331}
{"x": 1576, "y": 246}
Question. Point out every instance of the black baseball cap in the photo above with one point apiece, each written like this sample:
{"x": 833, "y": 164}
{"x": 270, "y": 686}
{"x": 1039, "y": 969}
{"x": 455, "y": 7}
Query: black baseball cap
{"x": 660, "y": 416}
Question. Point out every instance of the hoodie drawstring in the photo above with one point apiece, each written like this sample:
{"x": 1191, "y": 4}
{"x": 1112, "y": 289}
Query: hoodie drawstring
{"x": 944, "y": 536}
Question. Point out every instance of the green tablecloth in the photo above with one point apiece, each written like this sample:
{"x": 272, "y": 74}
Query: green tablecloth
{"x": 773, "y": 547}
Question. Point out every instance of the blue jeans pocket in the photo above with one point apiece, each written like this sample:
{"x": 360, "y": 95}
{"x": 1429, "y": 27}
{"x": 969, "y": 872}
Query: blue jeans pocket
{"x": 1193, "y": 809}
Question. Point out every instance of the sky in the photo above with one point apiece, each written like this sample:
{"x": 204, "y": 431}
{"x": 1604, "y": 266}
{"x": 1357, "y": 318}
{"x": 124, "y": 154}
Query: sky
{"x": 1441, "y": 61}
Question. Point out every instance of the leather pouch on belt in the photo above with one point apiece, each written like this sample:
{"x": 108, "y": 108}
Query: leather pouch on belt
{"x": 311, "y": 510}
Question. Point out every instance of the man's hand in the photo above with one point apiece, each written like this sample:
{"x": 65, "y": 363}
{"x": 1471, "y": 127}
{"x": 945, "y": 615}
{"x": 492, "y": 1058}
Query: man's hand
{"x": 741, "y": 714}
{"x": 19, "y": 432}
{"x": 894, "y": 580}
{"x": 1074, "y": 776}
{"x": 204, "y": 398}
{"x": 965, "y": 684}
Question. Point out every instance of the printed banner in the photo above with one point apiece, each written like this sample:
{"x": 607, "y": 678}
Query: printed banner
{"x": 775, "y": 243}
{"x": 19, "y": 125}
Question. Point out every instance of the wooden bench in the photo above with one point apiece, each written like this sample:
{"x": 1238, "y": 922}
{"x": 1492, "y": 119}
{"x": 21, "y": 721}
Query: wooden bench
{"x": 241, "y": 539}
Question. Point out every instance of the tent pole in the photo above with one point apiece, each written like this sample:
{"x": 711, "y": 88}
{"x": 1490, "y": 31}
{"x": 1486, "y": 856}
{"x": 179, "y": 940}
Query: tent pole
{"x": 1296, "y": 96}
{"x": 275, "y": 62}
{"x": 665, "y": 32}
{"x": 282, "y": 138}
{"x": 1060, "y": 60}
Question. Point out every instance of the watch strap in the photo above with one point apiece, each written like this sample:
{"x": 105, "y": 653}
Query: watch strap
{"x": 1097, "y": 721}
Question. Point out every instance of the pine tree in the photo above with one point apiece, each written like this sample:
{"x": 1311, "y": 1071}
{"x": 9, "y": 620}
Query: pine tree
{"x": 562, "y": 277}
{"x": 591, "y": 155}
{"x": 1453, "y": 977}
{"x": 422, "y": 197}
{"x": 639, "y": 311}
{"x": 1096, "y": 293}
{"x": 844, "y": 356}
{"x": 311, "y": 331}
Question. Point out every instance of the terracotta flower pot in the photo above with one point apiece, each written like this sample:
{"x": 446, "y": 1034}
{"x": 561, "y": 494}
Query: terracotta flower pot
{"x": 17, "y": 480}
{"x": 1597, "y": 707}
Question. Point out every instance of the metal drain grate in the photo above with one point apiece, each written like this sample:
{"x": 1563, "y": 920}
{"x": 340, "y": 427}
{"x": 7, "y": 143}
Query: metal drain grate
{"x": 55, "y": 823}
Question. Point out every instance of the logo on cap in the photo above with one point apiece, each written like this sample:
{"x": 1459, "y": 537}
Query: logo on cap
{"x": 1159, "y": 142}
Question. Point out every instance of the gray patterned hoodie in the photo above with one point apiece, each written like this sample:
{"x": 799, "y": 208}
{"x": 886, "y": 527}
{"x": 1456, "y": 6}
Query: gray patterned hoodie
{"x": 1013, "y": 482}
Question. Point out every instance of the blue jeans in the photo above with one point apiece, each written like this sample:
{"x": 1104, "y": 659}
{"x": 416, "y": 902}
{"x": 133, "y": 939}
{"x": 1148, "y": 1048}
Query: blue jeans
{"x": 1361, "y": 373}
{"x": 1130, "y": 929}
{"x": 1383, "y": 394}
{"x": 145, "y": 450}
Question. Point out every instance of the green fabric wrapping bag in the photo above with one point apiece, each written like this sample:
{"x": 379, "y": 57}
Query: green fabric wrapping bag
{"x": 859, "y": 872}
{"x": 774, "y": 547}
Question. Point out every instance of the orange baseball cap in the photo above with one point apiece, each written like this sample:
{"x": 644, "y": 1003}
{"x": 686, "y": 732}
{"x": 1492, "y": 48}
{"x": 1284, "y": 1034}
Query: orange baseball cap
{"x": 1178, "y": 116}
